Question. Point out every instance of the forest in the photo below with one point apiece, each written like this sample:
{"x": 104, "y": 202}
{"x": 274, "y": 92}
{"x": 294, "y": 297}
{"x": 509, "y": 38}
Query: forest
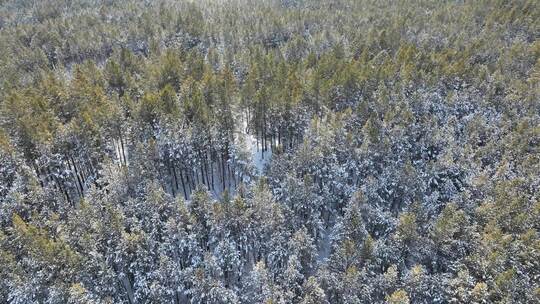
{"x": 269, "y": 152}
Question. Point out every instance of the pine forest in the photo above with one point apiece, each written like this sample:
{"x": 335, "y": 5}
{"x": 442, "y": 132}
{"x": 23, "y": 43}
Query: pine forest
{"x": 270, "y": 151}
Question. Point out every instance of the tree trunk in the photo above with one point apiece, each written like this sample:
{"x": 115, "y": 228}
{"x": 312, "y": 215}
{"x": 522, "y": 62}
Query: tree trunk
{"x": 183, "y": 184}
{"x": 76, "y": 171}
{"x": 223, "y": 175}
{"x": 74, "y": 174}
{"x": 123, "y": 155}
{"x": 212, "y": 172}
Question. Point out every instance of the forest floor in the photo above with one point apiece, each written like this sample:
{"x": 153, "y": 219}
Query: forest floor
{"x": 249, "y": 144}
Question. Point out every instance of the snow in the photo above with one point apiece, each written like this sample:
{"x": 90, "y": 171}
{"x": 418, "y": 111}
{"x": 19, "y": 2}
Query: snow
{"x": 258, "y": 158}
{"x": 324, "y": 246}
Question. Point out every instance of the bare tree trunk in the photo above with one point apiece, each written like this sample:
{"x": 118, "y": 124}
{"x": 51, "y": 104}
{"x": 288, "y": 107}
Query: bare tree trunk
{"x": 172, "y": 174}
{"x": 212, "y": 172}
{"x": 173, "y": 166}
{"x": 76, "y": 174}
{"x": 202, "y": 173}
{"x": 205, "y": 163}
{"x": 223, "y": 170}
{"x": 123, "y": 155}
{"x": 191, "y": 179}
{"x": 183, "y": 184}
{"x": 195, "y": 177}
{"x": 127, "y": 288}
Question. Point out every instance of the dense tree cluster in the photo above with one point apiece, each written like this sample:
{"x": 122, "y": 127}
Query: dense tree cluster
{"x": 278, "y": 151}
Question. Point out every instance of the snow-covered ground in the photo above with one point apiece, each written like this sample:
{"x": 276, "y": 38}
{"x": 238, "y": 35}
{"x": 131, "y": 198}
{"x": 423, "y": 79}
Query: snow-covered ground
{"x": 248, "y": 143}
